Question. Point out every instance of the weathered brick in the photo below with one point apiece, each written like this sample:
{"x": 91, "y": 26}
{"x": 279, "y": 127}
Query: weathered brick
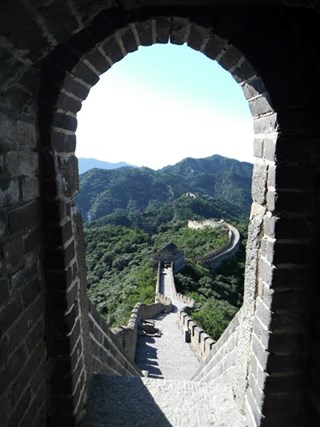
{"x": 56, "y": 210}
{"x": 13, "y": 252}
{"x": 30, "y": 291}
{"x": 32, "y": 239}
{"x": 20, "y": 409}
{"x": 59, "y": 235}
{"x": 260, "y": 106}
{"x": 64, "y": 121}
{"x": 66, "y": 384}
{"x": 259, "y": 189}
{"x": 62, "y": 143}
{"x": 24, "y": 216}
{"x": 77, "y": 88}
{"x": 68, "y": 103}
{"x": 214, "y": 46}
{"x": 290, "y": 299}
{"x": 286, "y": 364}
{"x": 8, "y": 132}
{"x": 265, "y": 124}
{"x": 4, "y": 350}
{"x": 288, "y": 228}
{"x": 64, "y": 345}
{"x": 283, "y": 403}
{"x": 35, "y": 335}
{"x": 162, "y": 26}
{"x": 112, "y": 49}
{"x": 22, "y": 163}
{"x": 285, "y": 383}
{"x": 30, "y": 188}
{"x": 60, "y": 258}
{"x": 63, "y": 301}
{"x": 65, "y": 364}
{"x": 9, "y": 192}
{"x": 59, "y": 280}
{"x": 23, "y": 379}
{"x": 65, "y": 322}
{"x": 16, "y": 363}
{"x": 295, "y": 321}
{"x": 197, "y": 36}
{"x": 291, "y": 253}
{"x": 85, "y": 73}
{"x": 296, "y": 201}
{"x": 9, "y": 315}
{"x": 98, "y": 61}
{"x": 230, "y": 57}
{"x": 26, "y": 134}
{"x": 145, "y": 33}
{"x": 5, "y": 409}
{"x": 4, "y": 289}
{"x": 180, "y": 28}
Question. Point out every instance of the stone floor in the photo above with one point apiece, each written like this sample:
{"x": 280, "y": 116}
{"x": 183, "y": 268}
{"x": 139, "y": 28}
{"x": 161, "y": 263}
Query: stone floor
{"x": 146, "y": 402}
{"x": 168, "y": 356}
{"x": 166, "y": 397}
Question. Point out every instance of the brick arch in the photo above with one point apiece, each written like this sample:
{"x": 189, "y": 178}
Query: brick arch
{"x": 283, "y": 186}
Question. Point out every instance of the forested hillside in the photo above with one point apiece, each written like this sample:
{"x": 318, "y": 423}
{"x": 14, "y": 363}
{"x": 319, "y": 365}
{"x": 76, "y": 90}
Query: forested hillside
{"x": 131, "y": 213}
{"x": 121, "y": 272}
{"x": 141, "y": 197}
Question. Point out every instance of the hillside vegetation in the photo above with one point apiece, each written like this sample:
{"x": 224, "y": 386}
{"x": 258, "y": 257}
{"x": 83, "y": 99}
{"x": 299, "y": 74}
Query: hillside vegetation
{"x": 144, "y": 198}
{"x": 121, "y": 271}
{"x": 132, "y": 213}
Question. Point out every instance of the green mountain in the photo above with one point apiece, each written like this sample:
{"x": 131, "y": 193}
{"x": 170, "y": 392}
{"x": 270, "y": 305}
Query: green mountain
{"x": 194, "y": 188}
{"x": 86, "y": 164}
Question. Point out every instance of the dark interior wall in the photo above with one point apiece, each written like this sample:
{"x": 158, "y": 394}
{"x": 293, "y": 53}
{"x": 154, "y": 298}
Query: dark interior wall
{"x": 40, "y": 287}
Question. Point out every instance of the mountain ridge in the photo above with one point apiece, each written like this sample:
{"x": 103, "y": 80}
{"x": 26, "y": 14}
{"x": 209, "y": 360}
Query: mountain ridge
{"x": 218, "y": 184}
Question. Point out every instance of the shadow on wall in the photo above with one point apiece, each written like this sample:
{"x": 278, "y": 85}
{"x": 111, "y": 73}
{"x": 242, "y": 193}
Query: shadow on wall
{"x": 122, "y": 401}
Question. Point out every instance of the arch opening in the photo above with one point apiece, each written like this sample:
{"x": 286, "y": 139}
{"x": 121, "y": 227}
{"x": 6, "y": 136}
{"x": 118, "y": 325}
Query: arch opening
{"x": 79, "y": 76}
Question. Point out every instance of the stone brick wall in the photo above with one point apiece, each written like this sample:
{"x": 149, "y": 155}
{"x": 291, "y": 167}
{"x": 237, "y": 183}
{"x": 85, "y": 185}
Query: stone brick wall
{"x": 23, "y": 367}
{"x": 51, "y": 54}
{"x": 128, "y": 335}
{"x": 219, "y": 364}
{"x": 201, "y": 342}
{"x": 108, "y": 355}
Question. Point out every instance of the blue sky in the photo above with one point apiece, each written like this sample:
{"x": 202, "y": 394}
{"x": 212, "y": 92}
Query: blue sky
{"x": 161, "y": 104}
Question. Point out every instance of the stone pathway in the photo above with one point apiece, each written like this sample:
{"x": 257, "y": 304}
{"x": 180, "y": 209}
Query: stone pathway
{"x": 145, "y": 402}
{"x": 168, "y": 356}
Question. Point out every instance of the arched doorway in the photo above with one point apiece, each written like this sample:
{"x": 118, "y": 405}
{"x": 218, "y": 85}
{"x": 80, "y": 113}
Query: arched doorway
{"x": 283, "y": 186}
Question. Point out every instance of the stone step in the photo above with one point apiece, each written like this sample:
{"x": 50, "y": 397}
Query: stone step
{"x": 146, "y": 402}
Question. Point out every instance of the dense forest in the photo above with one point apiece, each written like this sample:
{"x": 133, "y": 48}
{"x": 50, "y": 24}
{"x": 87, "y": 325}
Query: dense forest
{"x": 142, "y": 197}
{"x": 121, "y": 242}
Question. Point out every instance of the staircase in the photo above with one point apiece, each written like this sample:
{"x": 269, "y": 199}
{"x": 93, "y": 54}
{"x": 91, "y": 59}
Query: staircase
{"x": 146, "y": 402}
{"x": 167, "y": 397}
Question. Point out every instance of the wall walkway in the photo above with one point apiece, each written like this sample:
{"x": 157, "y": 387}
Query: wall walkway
{"x": 167, "y": 355}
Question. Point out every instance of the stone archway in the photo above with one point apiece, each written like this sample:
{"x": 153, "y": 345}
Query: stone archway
{"x": 273, "y": 326}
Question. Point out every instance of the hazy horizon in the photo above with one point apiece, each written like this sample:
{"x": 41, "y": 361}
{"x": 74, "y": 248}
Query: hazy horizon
{"x": 162, "y": 104}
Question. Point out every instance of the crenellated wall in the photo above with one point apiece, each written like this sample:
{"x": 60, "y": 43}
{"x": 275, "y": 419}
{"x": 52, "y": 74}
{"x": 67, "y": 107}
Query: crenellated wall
{"x": 109, "y": 356}
{"x": 201, "y": 342}
{"x": 219, "y": 357}
{"x": 128, "y": 335}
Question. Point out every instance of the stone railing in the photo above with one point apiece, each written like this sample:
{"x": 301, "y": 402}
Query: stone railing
{"x": 219, "y": 365}
{"x": 189, "y": 302}
{"x": 227, "y": 251}
{"x": 201, "y": 343}
{"x": 108, "y": 357}
{"x": 127, "y": 335}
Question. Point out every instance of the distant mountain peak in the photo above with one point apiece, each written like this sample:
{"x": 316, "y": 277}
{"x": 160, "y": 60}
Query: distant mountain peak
{"x": 86, "y": 164}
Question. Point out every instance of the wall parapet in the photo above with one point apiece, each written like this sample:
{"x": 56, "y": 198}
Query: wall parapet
{"x": 201, "y": 342}
{"x": 221, "y": 360}
{"x": 127, "y": 335}
{"x": 108, "y": 356}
